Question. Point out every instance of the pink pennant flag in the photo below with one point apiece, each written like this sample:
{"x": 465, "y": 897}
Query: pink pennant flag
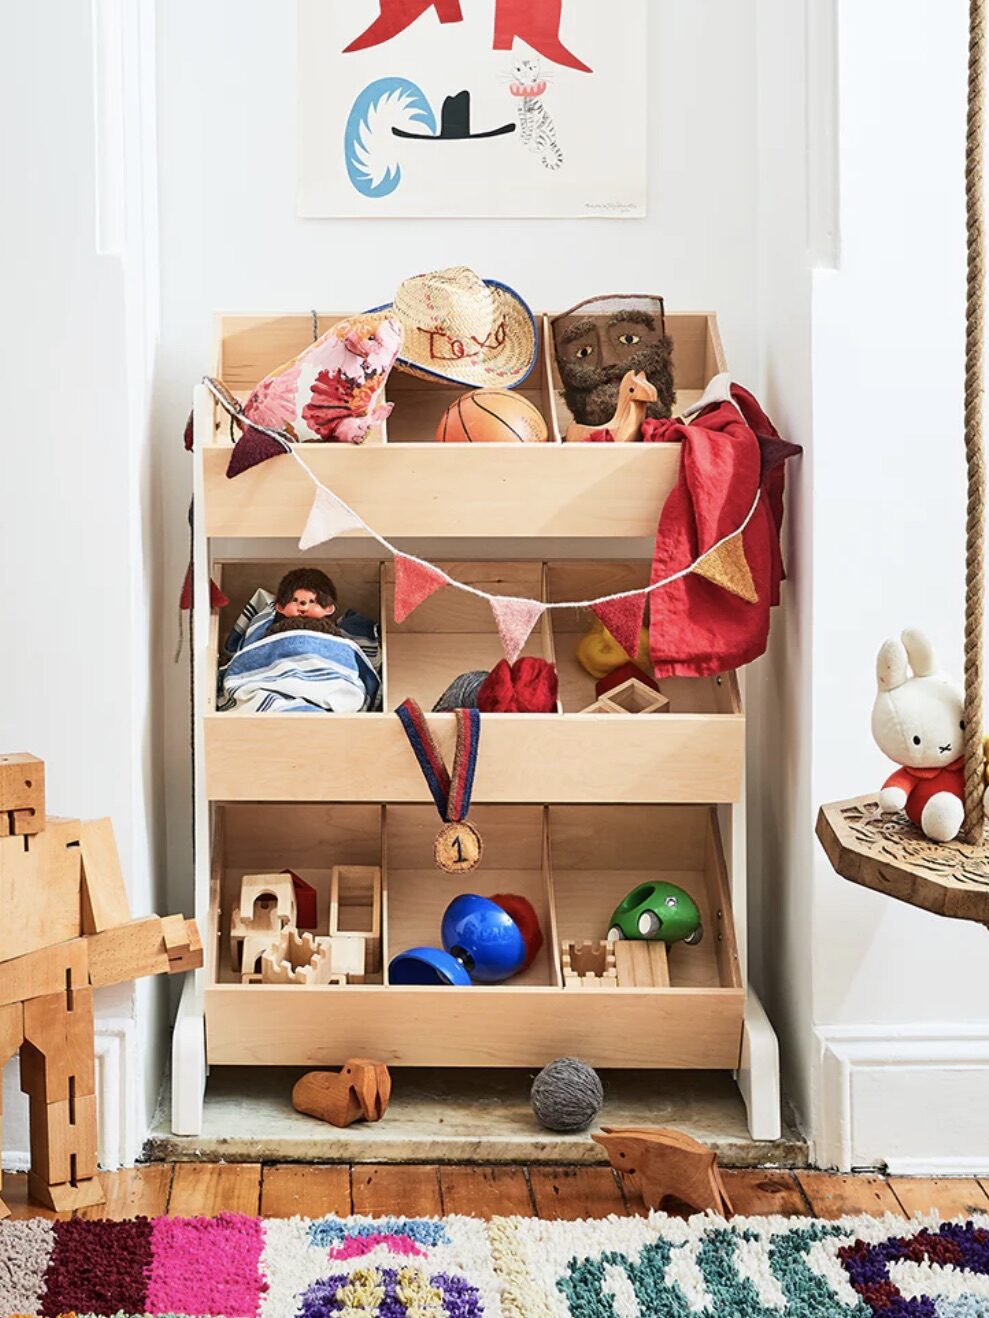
{"x": 414, "y": 582}
{"x": 515, "y": 619}
{"x": 328, "y": 518}
{"x": 623, "y": 618}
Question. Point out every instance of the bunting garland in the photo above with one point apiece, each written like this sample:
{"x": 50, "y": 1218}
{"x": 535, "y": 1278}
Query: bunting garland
{"x": 724, "y": 564}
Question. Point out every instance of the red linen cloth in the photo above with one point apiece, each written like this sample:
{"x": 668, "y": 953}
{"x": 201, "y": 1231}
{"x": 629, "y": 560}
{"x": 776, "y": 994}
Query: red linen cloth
{"x": 729, "y": 451}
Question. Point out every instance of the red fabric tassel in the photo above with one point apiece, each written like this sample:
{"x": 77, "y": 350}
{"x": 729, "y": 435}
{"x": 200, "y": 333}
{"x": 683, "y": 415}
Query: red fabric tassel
{"x": 524, "y": 914}
{"x": 217, "y": 599}
{"x": 529, "y": 686}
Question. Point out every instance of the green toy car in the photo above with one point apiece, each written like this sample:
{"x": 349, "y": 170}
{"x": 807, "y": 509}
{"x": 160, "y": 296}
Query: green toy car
{"x": 658, "y": 911}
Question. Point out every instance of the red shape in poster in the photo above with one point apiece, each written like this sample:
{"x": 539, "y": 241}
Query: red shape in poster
{"x": 414, "y": 582}
{"x": 623, "y": 618}
{"x": 537, "y": 23}
{"x": 397, "y": 15}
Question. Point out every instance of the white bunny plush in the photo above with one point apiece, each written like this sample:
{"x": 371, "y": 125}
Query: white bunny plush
{"x": 918, "y": 720}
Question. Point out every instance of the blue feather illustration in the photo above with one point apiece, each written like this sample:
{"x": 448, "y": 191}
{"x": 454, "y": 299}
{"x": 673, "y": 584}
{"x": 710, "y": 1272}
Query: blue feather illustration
{"x": 370, "y": 147}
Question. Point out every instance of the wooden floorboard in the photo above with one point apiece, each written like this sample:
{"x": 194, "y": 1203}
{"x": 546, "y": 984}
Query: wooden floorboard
{"x": 486, "y": 1191}
{"x": 950, "y": 1196}
{"x": 304, "y": 1190}
{"x": 206, "y": 1189}
{"x": 765, "y": 1194}
{"x": 555, "y": 1193}
{"x": 396, "y": 1190}
{"x": 832, "y": 1195}
{"x": 567, "y": 1193}
{"x": 133, "y": 1192}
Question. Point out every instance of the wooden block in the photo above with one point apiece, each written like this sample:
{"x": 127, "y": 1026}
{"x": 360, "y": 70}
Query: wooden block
{"x": 602, "y": 706}
{"x": 40, "y": 879}
{"x": 11, "y": 1033}
{"x": 634, "y": 697}
{"x": 297, "y": 959}
{"x": 50, "y": 970}
{"x": 588, "y": 965}
{"x": 22, "y": 795}
{"x": 104, "y": 894}
{"x": 347, "y": 954}
{"x": 57, "y": 1057}
{"x": 66, "y": 1197}
{"x": 63, "y": 1139}
{"x": 128, "y": 952}
{"x": 642, "y": 964}
{"x": 355, "y": 908}
{"x": 266, "y": 907}
{"x": 183, "y": 945}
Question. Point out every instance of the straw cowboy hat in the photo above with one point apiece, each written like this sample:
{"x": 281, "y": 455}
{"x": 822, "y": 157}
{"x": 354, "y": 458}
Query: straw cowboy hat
{"x": 463, "y": 329}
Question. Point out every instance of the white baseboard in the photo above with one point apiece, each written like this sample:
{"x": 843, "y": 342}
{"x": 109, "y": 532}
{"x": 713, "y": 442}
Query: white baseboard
{"x": 119, "y": 1086}
{"x": 915, "y": 1100}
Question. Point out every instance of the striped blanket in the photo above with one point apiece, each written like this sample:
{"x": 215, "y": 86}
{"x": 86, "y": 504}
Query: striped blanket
{"x": 296, "y": 672}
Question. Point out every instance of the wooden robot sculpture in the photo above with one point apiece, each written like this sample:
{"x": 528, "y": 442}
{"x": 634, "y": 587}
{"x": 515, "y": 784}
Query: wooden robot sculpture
{"x": 65, "y": 930}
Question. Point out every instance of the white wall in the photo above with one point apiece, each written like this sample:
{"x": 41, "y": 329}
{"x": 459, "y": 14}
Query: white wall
{"x": 78, "y": 664}
{"x": 900, "y": 1003}
{"x": 231, "y": 240}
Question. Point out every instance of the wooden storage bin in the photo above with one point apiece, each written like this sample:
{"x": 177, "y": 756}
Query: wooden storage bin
{"x": 412, "y": 486}
{"x": 574, "y": 864}
{"x": 694, "y": 753}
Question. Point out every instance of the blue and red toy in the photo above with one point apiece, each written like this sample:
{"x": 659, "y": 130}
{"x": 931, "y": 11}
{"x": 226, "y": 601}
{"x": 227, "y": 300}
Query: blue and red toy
{"x": 488, "y": 939}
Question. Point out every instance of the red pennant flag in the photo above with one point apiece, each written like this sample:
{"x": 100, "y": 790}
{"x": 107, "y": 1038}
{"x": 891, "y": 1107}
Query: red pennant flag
{"x": 623, "y": 618}
{"x": 414, "y": 582}
{"x": 254, "y": 446}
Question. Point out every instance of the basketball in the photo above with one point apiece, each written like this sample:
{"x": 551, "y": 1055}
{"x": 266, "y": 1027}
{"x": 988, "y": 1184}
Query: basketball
{"x": 492, "y": 416}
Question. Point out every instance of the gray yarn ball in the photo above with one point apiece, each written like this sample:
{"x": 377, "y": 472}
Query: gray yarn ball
{"x": 461, "y": 693}
{"x": 567, "y": 1095}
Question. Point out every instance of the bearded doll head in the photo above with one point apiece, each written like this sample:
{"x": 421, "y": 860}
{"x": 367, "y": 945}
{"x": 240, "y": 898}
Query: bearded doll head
{"x": 599, "y": 340}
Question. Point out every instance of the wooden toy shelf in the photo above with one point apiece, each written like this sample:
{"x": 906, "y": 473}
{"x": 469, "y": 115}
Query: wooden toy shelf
{"x": 575, "y": 808}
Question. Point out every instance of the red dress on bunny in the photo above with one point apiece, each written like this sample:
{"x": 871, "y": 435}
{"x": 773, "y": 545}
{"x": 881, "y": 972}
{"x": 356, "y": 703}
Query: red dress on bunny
{"x": 921, "y": 784}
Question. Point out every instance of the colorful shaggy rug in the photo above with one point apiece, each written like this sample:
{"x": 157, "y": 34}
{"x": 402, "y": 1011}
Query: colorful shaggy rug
{"x": 456, "y": 1267}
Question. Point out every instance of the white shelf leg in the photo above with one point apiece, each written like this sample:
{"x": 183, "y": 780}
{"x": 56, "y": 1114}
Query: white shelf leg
{"x": 758, "y": 1075}
{"x": 189, "y": 1061}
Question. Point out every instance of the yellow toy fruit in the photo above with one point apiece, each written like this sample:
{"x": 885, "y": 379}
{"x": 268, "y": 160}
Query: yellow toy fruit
{"x": 600, "y": 654}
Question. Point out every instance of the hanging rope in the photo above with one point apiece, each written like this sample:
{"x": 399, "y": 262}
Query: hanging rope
{"x": 974, "y": 449}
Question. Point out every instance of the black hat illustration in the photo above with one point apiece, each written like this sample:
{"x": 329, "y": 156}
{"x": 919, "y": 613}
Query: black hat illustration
{"x": 455, "y": 123}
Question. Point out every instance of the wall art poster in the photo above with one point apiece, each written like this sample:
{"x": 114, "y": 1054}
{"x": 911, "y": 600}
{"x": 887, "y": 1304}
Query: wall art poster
{"x": 472, "y": 108}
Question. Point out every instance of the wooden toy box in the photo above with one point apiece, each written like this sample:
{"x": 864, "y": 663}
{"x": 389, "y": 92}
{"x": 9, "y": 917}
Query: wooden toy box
{"x": 574, "y": 863}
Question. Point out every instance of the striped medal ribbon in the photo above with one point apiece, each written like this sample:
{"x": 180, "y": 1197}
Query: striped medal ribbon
{"x": 458, "y": 845}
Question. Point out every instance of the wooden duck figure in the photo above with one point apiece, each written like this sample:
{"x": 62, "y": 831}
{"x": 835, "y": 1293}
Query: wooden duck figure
{"x": 635, "y": 393}
{"x": 663, "y": 1164}
{"x": 360, "y": 1092}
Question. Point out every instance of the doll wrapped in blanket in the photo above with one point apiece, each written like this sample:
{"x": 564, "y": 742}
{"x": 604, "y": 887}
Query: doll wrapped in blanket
{"x": 289, "y": 656}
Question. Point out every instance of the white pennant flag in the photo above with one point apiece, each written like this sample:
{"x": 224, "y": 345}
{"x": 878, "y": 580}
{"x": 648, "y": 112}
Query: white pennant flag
{"x": 328, "y": 517}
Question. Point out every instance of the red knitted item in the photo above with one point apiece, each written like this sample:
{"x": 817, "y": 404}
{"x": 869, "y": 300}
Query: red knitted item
{"x": 624, "y": 674}
{"x": 529, "y": 686}
{"x": 524, "y": 914}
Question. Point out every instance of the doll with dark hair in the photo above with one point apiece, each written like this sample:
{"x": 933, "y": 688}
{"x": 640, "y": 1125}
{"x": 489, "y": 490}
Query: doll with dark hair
{"x": 599, "y": 341}
{"x": 305, "y": 592}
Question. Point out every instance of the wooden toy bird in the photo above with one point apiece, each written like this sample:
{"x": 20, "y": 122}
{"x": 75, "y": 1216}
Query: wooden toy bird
{"x": 635, "y": 393}
{"x": 66, "y": 929}
{"x": 662, "y": 1164}
{"x": 360, "y": 1092}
